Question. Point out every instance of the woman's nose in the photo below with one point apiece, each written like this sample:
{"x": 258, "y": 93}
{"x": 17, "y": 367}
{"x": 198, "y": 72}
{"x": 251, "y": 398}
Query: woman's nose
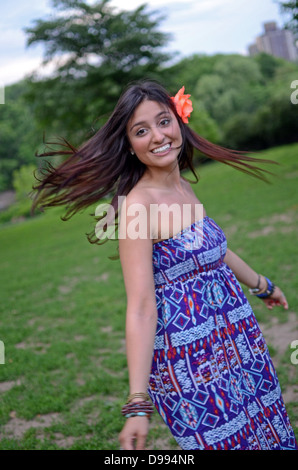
{"x": 157, "y": 134}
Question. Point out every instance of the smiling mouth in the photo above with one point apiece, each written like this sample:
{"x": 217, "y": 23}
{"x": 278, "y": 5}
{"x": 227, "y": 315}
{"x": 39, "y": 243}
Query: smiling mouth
{"x": 162, "y": 149}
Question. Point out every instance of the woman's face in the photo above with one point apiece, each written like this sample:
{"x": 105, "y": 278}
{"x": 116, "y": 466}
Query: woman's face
{"x": 154, "y": 134}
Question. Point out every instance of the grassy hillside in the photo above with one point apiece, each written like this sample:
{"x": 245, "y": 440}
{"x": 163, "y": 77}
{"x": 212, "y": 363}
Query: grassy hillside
{"x": 63, "y": 310}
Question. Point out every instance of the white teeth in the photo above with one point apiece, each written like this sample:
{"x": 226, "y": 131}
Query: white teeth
{"x": 162, "y": 149}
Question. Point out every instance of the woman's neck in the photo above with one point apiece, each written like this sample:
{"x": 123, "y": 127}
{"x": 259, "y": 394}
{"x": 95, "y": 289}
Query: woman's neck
{"x": 163, "y": 178}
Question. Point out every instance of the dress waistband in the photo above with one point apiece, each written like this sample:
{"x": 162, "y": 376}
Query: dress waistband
{"x": 183, "y": 272}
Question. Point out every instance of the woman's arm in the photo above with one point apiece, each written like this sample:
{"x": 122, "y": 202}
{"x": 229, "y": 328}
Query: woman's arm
{"x": 246, "y": 275}
{"x": 141, "y": 321}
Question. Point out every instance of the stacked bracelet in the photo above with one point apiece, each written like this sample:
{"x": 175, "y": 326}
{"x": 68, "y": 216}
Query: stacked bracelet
{"x": 141, "y": 408}
{"x": 268, "y": 291}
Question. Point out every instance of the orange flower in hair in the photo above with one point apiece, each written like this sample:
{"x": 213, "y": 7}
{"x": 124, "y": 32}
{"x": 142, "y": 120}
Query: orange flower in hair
{"x": 183, "y": 105}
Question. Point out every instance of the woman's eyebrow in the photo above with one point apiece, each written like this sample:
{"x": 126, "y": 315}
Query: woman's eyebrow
{"x": 140, "y": 123}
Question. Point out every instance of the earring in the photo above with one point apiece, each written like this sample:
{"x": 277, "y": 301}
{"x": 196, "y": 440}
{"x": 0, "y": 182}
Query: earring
{"x": 132, "y": 152}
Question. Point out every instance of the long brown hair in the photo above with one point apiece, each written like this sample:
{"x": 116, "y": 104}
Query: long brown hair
{"x": 104, "y": 167}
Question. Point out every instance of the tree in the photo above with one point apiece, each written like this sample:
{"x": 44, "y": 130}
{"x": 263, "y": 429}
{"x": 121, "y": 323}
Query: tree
{"x": 18, "y": 134}
{"x": 291, "y": 9}
{"x": 273, "y": 123}
{"x": 98, "y": 51}
{"x": 189, "y": 70}
{"x": 268, "y": 65}
{"x": 230, "y": 88}
{"x": 247, "y": 100}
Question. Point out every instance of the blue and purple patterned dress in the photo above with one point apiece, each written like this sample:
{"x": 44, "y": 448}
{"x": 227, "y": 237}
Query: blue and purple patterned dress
{"x": 212, "y": 379}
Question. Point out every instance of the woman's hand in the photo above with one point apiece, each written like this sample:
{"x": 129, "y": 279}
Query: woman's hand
{"x": 277, "y": 298}
{"x": 134, "y": 433}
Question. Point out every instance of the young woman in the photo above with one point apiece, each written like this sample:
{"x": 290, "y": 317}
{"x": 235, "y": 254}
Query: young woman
{"x": 193, "y": 342}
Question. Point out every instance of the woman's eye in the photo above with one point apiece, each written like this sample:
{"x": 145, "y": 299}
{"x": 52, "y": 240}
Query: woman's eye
{"x": 165, "y": 122}
{"x": 141, "y": 132}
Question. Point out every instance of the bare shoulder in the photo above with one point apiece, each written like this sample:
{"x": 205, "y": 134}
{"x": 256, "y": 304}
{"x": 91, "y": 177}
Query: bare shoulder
{"x": 137, "y": 201}
{"x": 139, "y": 195}
{"x": 134, "y": 223}
{"x": 189, "y": 188}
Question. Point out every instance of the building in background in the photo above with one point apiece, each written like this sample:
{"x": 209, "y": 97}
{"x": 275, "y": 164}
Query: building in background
{"x": 275, "y": 41}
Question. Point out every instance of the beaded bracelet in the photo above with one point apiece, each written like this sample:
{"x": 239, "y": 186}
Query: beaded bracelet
{"x": 142, "y": 408}
{"x": 145, "y": 406}
{"x": 140, "y": 413}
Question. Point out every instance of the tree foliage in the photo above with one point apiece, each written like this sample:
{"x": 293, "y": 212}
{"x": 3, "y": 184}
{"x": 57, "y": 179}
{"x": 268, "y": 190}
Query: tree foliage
{"x": 98, "y": 51}
{"x": 249, "y": 99}
{"x": 18, "y": 134}
{"x": 290, "y": 8}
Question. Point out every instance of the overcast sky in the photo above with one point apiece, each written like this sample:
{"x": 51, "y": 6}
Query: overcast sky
{"x": 197, "y": 26}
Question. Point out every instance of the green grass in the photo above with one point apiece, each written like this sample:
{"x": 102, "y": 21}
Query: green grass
{"x": 63, "y": 309}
